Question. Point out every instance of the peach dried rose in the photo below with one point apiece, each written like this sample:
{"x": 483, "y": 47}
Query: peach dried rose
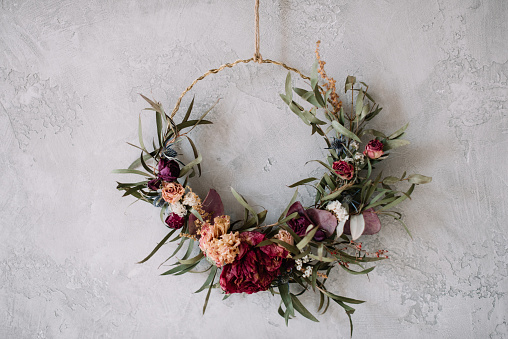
{"x": 172, "y": 192}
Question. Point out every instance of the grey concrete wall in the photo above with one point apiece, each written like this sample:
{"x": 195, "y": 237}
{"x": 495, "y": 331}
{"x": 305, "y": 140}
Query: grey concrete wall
{"x": 70, "y": 72}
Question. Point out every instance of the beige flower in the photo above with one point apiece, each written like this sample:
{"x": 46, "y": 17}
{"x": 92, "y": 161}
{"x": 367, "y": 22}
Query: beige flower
{"x": 172, "y": 191}
{"x": 285, "y": 236}
{"x": 191, "y": 199}
{"x": 221, "y": 225}
{"x": 216, "y": 243}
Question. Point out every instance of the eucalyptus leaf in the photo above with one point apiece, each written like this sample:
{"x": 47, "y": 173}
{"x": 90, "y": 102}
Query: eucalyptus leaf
{"x": 419, "y": 179}
{"x": 391, "y": 144}
{"x": 344, "y": 131}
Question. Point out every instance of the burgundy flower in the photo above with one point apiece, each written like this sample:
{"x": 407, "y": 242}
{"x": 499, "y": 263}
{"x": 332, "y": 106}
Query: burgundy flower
{"x": 325, "y": 220}
{"x": 175, "y": 221}
{"x": 154, "y": 184}
{"x": 374, "y": 149}
{"x": 254, "y": 268}
{"x": 344, "y": 169}
{"x": 169, "y": 170}
{"x": 211, "y": 205}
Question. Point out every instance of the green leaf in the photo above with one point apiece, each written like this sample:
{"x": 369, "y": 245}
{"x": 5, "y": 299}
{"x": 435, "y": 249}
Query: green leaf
{"x": 350, "y": 81}
{"x": 366, "y": 271}
{"x": 319, "y": 98}
{"x": 341, "y": 298}
{"x": 399, "y": 199}
{"x": 289, "y": 91}
{"x": 208, "y": 293}
{"x": 359, "y": 105}
{"x": 314, "y": 75}
{"x": 293, "y": 249}
{"x": 398, "y": 132}
{"x": 208, "y": 281}
{"x": 390, "y": 180}
{"x": 286, "y": 298}
{"x": 131, "y": 171}
{"x": 302, "y": 182}
{"x": 374, "y": 133}
{"x": 307, "y": 238}
{"x": 245, "y": 204}
{"x": 189, "y": 110}
{"x": 301, "y": 309}
{"x": 137, "y": 162}
{"x": 192, "y": 123}
{"x": 307, "y": 96}
{"x": 144, "y": 165}
{"x": 344, "y": 131}
{"x": 391, "y": 144}
{"x": 192, "y": 260}
{"x": 158, "y": 120}
{"x": 159, "y": 245}
{"x": 419, "y": 179}
{"x": 140, "y": 135}
{"x": 180, "y": 269}
{"x": 323, "y": 259}
{"x": 191, "y": 164}
{"x": 196, "y": 153}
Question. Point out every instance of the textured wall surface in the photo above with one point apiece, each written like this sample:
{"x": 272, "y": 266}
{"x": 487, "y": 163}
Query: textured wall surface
{"x": 70, "y": 74}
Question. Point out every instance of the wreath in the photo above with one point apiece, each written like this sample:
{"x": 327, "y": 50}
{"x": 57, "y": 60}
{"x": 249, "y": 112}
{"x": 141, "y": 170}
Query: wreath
{"x": 297, "y": 253}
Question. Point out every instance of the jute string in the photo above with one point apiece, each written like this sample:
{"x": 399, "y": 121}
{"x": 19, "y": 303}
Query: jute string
{"x": 257, "y": 55}
{"x": 257, "y": 58}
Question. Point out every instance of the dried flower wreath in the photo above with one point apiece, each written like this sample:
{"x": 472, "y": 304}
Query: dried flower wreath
{"x": 297, "y": 253}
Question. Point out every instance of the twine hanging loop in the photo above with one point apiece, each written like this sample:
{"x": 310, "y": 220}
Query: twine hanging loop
{"x": 257, "y": 56}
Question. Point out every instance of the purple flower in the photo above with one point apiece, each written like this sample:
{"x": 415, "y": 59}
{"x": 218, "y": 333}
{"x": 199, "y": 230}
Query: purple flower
{"x": 325, "y": 220}
{"x": 169, "y": 170}
{"x": 154, "y": 184}
{"x": 175, "y": 221}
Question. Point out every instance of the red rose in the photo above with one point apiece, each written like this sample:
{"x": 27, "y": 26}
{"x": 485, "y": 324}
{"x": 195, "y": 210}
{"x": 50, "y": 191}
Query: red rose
{"x": 344, "y": 169}
{"x": 374, "y": 149}
{"x": 174, "y": 221}
{"x": 254, "y": 268}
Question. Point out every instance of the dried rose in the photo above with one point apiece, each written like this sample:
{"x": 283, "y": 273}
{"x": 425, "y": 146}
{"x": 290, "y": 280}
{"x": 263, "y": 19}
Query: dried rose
{"x": 169, "y": 170}
{"x": 174, "y": 221}
{"x": 374, "y": 149}
{"x": 172, "y": 191}
{"x": 254, "y": 268}
{"x": 344, "y": 169}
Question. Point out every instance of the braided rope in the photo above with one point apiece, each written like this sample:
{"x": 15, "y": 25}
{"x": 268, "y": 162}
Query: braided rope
{"x": 230, "y": 65}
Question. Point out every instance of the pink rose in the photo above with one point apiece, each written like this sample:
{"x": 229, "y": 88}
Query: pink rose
{"x": 344, "y": 169}
{"x": 374, "y": 149}
{"x": 254, "y": 268}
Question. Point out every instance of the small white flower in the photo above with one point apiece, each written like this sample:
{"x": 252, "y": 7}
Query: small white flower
{"x": 298, "y": 262}
{"x": 306, "y": 259}
{"x": 298, "y": 267}
{"x": 355, "y": 145}
{"x": 179, "y": 209}
{"x": 191, "y": 199}
{"x": 338, "y": 210}
{"x": 308, "y": 272}
{"x": 359, "y": 157}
